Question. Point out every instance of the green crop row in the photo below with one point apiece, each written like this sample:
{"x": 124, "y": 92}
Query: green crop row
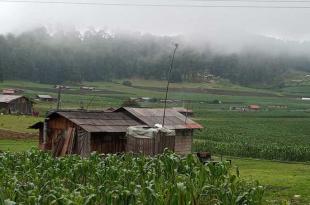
{"x": 35, "y": 177}
{"x": 262, "y": 151}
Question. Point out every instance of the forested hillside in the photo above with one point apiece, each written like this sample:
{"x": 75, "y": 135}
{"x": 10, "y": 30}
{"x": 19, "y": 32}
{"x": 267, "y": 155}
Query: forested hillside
{"x": 55, "y": 57}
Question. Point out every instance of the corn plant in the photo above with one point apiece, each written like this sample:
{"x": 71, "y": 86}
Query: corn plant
{"x": 35, "y": 177}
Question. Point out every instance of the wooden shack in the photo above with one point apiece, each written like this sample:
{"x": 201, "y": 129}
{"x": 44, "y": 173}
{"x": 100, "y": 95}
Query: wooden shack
{"x": 184, "y": 127}
{"x": 11, "y": 91}
{"x": 15, "y": 104}
{"x": 82, "y": 132}
{"x": 46, "y": 98}
{"x": 254, "y": 107}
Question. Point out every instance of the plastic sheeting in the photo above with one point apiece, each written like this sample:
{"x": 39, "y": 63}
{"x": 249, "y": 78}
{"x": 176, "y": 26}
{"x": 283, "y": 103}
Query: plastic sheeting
{"x": 148, "y": 132}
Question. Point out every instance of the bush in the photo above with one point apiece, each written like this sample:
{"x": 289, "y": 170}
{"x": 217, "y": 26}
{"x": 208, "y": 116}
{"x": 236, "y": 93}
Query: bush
{"x": 127, "y": 83}
{"x": 3, "y": 111}
{"x": 217, "y": 101}
{"x": 130, "y": 103}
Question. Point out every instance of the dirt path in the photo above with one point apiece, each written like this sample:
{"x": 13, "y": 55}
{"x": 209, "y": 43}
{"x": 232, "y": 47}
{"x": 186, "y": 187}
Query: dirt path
{"x": 8, "y": 134}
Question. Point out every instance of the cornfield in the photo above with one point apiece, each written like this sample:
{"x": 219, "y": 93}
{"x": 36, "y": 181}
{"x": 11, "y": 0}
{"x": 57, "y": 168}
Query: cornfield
{"x": 262, "y": 151}
{"x": 283, "y": 139}
{"x": 34, "y": 177}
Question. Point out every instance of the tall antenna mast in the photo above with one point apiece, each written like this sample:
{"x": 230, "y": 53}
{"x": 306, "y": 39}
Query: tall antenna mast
{"x": 58, "y": 97}
{"x": 168, "y": 82}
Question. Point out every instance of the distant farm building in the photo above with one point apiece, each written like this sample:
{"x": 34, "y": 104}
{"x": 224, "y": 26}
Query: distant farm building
{"x": 81, "y": 132}
{"x": 238, "y": 108}
{"x": 46, "y": 98}
{"x": 277, "y": 106}
{"x": 304, "y": 98}
{"x": 141, "y": 99}
{"x": 11, "y": 91}
{"x": 15, "y": 104}
{"x": 61, "y": 87}
{"x": 254, "y": 107}
{"x": 85, "y": 88}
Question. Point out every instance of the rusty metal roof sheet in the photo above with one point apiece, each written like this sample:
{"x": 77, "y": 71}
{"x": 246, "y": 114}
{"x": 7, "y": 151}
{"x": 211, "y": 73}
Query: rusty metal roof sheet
{"x": 99, "y": 121}
{"x": 151, "y": 116}
{"x": 8, "y": 98}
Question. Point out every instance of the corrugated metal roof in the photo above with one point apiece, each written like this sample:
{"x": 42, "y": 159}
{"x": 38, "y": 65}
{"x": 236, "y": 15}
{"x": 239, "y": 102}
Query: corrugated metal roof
{"x": 45, "y": 96}
{"x": 8, "y": 98}
{"x": 99, "y": 121}
{"x": 173, "y": 119}
{"x": 8, "y": 91}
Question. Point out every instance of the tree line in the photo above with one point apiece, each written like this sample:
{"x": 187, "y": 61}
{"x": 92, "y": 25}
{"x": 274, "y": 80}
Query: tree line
{"x": 97, "y": 55}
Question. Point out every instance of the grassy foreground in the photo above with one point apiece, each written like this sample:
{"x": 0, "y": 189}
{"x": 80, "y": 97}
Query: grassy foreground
{"x": 284, "y": 182}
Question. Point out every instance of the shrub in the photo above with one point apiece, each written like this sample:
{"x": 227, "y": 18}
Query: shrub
{"x": 130, "y": 103}
{"x": 127, "y": 83}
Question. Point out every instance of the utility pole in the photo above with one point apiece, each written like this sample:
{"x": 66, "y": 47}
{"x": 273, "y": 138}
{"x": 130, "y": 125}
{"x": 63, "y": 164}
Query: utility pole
{"x": 1, "y": 71}
{"x": 168, "y": 82}
{"x": 58, "y": 97}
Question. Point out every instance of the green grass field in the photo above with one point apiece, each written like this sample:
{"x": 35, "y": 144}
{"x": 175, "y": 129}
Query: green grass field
{"x": 270, "y": 135}
{"x": 282, "y": 180}
{"x": 280, "y": 134}
{"x": 18, "y": 123}
{"x": 17, "y": 145}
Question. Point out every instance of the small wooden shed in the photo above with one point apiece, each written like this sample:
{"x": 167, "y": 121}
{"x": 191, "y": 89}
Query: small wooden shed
{"x": 254, "y": 107}
{"x": 15, "y": 104}
{"x": 46, "y": 98}
{"x": 82, "y": 132}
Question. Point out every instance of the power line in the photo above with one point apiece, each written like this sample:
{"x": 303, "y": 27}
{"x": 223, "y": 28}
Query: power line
{"x": 155, "y": 5}
{"x": 253, "y": 1}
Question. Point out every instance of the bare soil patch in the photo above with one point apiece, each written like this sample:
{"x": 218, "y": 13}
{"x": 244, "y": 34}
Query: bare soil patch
{"x": 8, "y": 134}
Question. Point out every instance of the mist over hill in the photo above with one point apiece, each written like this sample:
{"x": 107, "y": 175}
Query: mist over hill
{"x": 98, "y": 55}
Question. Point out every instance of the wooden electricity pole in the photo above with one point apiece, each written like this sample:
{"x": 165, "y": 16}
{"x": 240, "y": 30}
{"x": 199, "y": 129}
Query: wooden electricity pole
{"x": 58, "y": 97}
{"x": 168, "y": 81}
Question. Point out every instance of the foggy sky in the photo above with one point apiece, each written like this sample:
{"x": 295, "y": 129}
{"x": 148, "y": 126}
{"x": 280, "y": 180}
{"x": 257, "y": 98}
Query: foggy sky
{"x": 223, "y": 25}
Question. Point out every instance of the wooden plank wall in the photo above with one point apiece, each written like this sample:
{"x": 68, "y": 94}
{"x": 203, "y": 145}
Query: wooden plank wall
{"x": 183, "y": 142}
{"x": 20, "y": 106}
{"x": 162, "y": 142}
{"x": 83, "y": 143}
{"x": 56, "y": 126}
{"x": 108, "y": 142}
{"x": 140, "y": 145}
{"x": 41, "y": 145}
{"x": 59, "y": 123}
